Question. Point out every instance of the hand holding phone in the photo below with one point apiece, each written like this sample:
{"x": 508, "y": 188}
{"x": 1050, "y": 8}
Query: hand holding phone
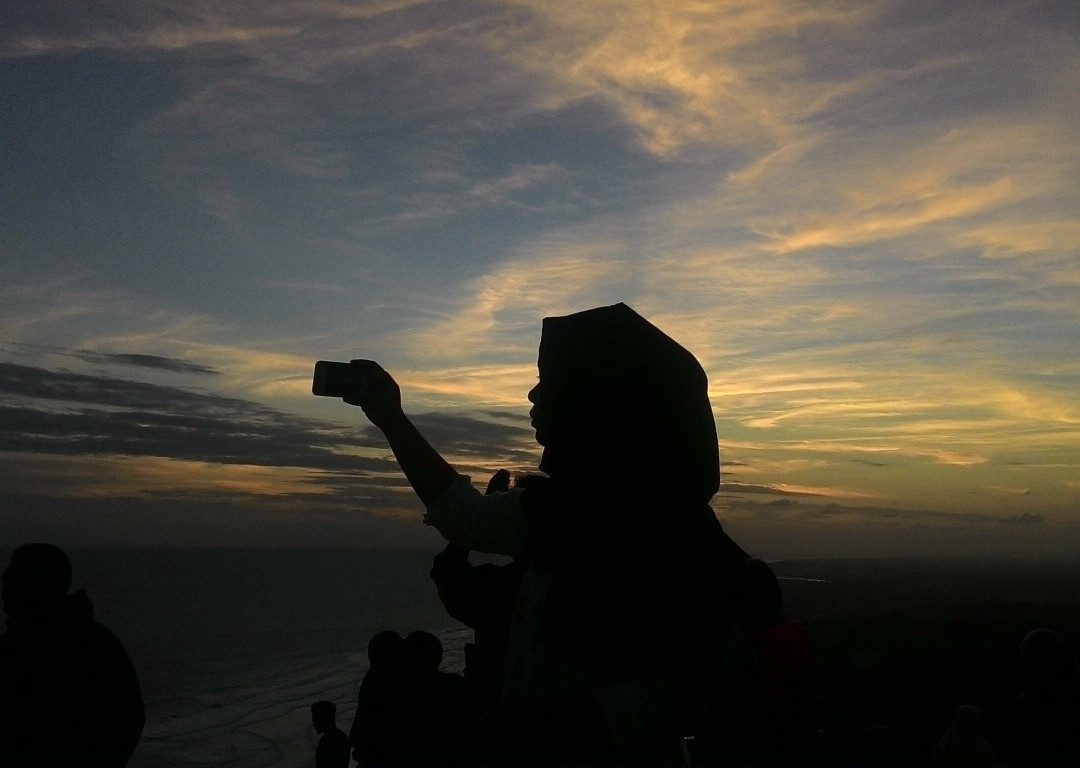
{"x": 333, "y": 379}
{"x": 360, "y": 382}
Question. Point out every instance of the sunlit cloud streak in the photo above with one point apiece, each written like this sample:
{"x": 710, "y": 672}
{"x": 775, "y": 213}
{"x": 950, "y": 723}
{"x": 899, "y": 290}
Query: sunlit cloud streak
{"x": 156, "y": 362}
{"x": 203, "y": 440}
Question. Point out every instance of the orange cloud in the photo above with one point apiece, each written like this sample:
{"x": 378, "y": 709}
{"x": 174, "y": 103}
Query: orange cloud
{"x": 120, "y": 476}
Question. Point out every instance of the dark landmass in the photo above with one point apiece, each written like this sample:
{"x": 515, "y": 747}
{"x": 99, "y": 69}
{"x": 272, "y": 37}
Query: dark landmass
{"x": 901, "y": 643}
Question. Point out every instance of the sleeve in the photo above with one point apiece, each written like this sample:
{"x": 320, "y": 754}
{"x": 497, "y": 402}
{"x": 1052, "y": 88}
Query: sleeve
{"x": 456, "y": 582}
{"x": 494, "y": 523}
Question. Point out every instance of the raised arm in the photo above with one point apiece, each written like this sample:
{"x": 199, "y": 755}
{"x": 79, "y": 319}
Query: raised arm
{"x": 427, "y": 471}
{"x": 493, "y": 523}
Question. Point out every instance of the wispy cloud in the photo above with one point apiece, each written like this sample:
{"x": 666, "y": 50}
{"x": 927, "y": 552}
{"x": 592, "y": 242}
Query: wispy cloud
{"x": 166, "y": 37}
{"x": 500, "y": 309}
{"x": 156, "y": 362}
{"x": 169, "y": 428}
{"x": 684, "y": 73}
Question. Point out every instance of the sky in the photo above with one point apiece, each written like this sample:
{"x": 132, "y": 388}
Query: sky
{"x": 862, "y": 217}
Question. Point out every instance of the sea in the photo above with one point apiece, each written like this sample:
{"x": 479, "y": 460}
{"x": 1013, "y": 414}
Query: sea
{"x": 232, "y": 646}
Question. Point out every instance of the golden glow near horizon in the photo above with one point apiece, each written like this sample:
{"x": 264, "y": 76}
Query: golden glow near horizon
{"x": 862, "y": 217}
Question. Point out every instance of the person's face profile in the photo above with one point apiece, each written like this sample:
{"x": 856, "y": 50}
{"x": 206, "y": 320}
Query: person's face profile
{"x": 539, "y": 414}
{"x": 321, "y": 722}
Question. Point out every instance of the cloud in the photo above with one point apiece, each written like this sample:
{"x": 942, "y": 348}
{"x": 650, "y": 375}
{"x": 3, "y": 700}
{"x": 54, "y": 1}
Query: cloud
{"x": 34, "y": 309}
{"x": 291, "y": 75}
{"x": 156, "y": 362}
{"x": 1009, "y": 491}
{"x": 742, "y": 88}
{"x": 20, "y": 382}
{"x": 789, "y": 489}
{"x": 518, "y": 179}
{"x": 227, "y": 443}
{"x": 76, "y": 316}
{"x": 1025, "y": 519}
{"x": 489, "y": 441}
{"x": 807, "y": 511}
{"x": 92, "y": 474}
{"x": 729, "y": 489}
{"x": 893, "y": 445}
{"x": 947, "y": 181}
{"x": 93, "y": 459}
{"x": 746, "y": 77}
{"x": 867, "y": 463}
{"x": 165, "y": 38}
{"x": 507, "y": 305}
{"x": 495, "y": 384}
{"x": 682, "y": 72}
{"x": 53, "y": 26}
{"x": 142, "y": 419}
{"x": 218, "y": 434}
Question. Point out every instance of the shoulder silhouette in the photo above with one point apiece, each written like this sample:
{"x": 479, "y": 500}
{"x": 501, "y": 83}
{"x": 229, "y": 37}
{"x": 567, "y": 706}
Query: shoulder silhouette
{"x": 374, "y": 734}
{"x": 69, "y": 694}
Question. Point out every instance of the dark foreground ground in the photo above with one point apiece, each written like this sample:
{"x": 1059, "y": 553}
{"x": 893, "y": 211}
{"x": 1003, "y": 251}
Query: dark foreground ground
{"x": 900, "y": 644}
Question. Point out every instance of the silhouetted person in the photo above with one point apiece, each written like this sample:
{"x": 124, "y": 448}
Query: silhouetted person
{"x": 482, "y": 598}
{"x": 333, "y": 749}
{"x": 1043, "y": 726}
{"x": 68, "y": 691}
{"x": 377, "y": 727}
{"x": 627, "y": 593}
{"x": 434, "y": 704}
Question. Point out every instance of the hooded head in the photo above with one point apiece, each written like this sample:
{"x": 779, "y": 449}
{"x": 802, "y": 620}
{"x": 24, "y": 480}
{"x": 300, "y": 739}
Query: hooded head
{"x": 323, "y": 716}
{"x": 37, "y": 579}
{"x": 621, "y": 402}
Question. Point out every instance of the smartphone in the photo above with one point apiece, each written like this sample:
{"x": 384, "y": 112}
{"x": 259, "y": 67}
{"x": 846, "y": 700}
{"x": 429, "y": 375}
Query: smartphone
{"x": 337, "y": 380}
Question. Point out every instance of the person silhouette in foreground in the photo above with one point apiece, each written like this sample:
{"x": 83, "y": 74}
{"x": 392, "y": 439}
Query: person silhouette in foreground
{"x": 626, "y": 602}
{"x": 433, "y": 704}
{"x": 1042, "y": 727}
{"x": 69, "y": 695}
{"x": 333, "y": 749}
{"x": 482, "y": 598}
{"x": 374, "y": 734}
{"x": 408, "y": 712}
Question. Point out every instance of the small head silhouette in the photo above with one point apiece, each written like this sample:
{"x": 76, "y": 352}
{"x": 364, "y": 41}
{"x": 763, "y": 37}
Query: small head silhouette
{"x": 323, "y": 715}
{"x": 37, "y": 578}
{"x": 384, "y": 649}
{"x": 423, "y": 652}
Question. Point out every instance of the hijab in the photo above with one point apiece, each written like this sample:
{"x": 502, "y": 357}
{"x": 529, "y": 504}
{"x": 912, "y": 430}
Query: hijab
{"x": 631, "y": 405}
{"x": 623, "y": 521}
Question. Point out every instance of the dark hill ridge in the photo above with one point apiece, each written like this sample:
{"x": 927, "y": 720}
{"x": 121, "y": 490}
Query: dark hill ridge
{"x": 901, "y": 643}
